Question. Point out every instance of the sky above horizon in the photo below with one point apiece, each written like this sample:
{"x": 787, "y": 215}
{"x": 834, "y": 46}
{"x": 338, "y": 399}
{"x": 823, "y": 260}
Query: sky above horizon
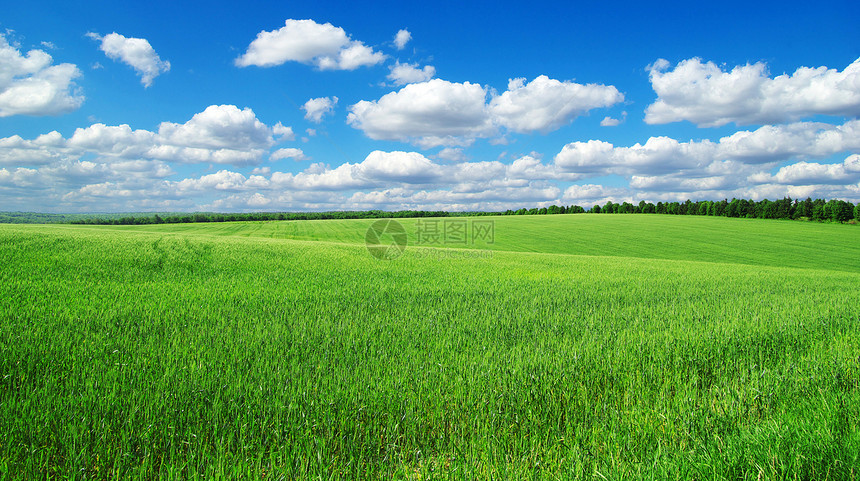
{"x": 225, "y": 106}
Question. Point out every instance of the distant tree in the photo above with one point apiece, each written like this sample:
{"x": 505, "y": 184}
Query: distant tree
{"x": 802, "y": 208}
{"x": 818, "y": 212}
{"x": 732, "y": 208}
{"x": 595, "y": 209}
{"x": 769, "y": 210}
{"x": 673, "y": 208}
{"x": 720, "y": 207}
{"x": 839, "y": 211}
{"x": 857, "y": 211}
{"x": 626, "y": 208}
{"x": 806, "y": 208}
{"x": 609, "y": 208}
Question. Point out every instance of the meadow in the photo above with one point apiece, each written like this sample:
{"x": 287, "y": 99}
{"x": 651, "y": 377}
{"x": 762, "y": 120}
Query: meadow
{"x": 581, "y": 347}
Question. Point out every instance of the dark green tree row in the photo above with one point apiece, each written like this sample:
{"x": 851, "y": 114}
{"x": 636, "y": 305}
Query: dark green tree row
{"x": 817, "y": 210}
{"x": 260, "y": 216}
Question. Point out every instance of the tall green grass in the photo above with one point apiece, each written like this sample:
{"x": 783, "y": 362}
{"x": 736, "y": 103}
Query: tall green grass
{"x": 145, "y": 353}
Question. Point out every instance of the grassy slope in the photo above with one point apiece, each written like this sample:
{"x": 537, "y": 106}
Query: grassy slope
{"x": 745, "y": 241}
{"x": 145, "y": 353}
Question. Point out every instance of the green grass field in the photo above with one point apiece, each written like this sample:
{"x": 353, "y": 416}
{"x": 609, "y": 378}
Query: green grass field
{"x": 580, "y": 347}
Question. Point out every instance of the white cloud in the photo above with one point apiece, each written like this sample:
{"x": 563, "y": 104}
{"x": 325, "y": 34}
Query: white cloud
{"x": 258, "y": 200}
{"x": 452, "y": 154}
{"x": 120, "y": 168}
{"x": 221, "y": 134}
{"x": 409, "y": 73}
{"x": 709, "y": 96}
{"x": 664, "y": 183}
{"x": 15, "y": 150}
{"x": 221, "y": 180}
{"x": 810, "y": 173}
{"x": 429, "y": 114}
{"x": 613, "y": 122}
{"x": 496, "y": 198}
{"x": 588, "y": 195}
{"x": 323, "y": 45}
{"x": 399, "y": 180}
{"x": 283, "y": 133}
{"x": 800, "y": 140}
{"x": 134, "y": 52}
{"x": 316, "y": 109}
{"x": 219, "y": 126}
{"x": 657, "y": 155}
{"x": 530, "y": 167}
{"x": 441, "y": 113}
{"x": 545, "y": 104}
{"x": 402, "y": 38}
{"x": 291, "y": 153}
{"x": 409, "y": 167}
{"x": 660, "y": 155}
{"x": 30, "y": 85}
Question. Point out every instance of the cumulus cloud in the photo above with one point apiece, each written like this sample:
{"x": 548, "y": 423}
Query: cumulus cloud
{"x": 316, "y": 109}
{"x": 405, "y": 180}
{"x": 811, "y": 173}
{"x": 657, "y": 155}
{"x": 289, "y": 153}
{"x": 587, "y": 195}
{"x": 382, "y": 169}
{"x": 441, "y": 113}
{"x": 221, "y": 134}
{"x": 545, "y": 104}
{"x": 217, "y": 127}
{"x": 31, "y": 85}
{"x": 660, "y": 155}
{"x": 400, "y": 166}
{"x": 452, "y": 154}
{"x": 121, "y": 168}
{"x": 322, "y": 45}
{"x": 402, "y": 38}
{"x": 707, "y": 95}
{"x": 283, "y": 132}
{"x": 734, "y": 166}
{"x": 800, "y": 140}
{"x": 409, "y": 73}
{"x": 137, "y": 53}
{"x": 613, "y": 122}
{"x": 429, "y": 114}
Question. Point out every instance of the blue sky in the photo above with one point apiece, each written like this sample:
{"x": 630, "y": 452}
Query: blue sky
{"x": 221, "y": 106}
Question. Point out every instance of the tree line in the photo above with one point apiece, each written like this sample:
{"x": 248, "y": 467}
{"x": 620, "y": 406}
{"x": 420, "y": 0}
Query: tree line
{"x": 815, "y": 210}
{"x": 820, "y": 210}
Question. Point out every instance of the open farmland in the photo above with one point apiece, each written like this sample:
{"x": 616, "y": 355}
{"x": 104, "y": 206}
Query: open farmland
{"x": 584, "y": 346}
